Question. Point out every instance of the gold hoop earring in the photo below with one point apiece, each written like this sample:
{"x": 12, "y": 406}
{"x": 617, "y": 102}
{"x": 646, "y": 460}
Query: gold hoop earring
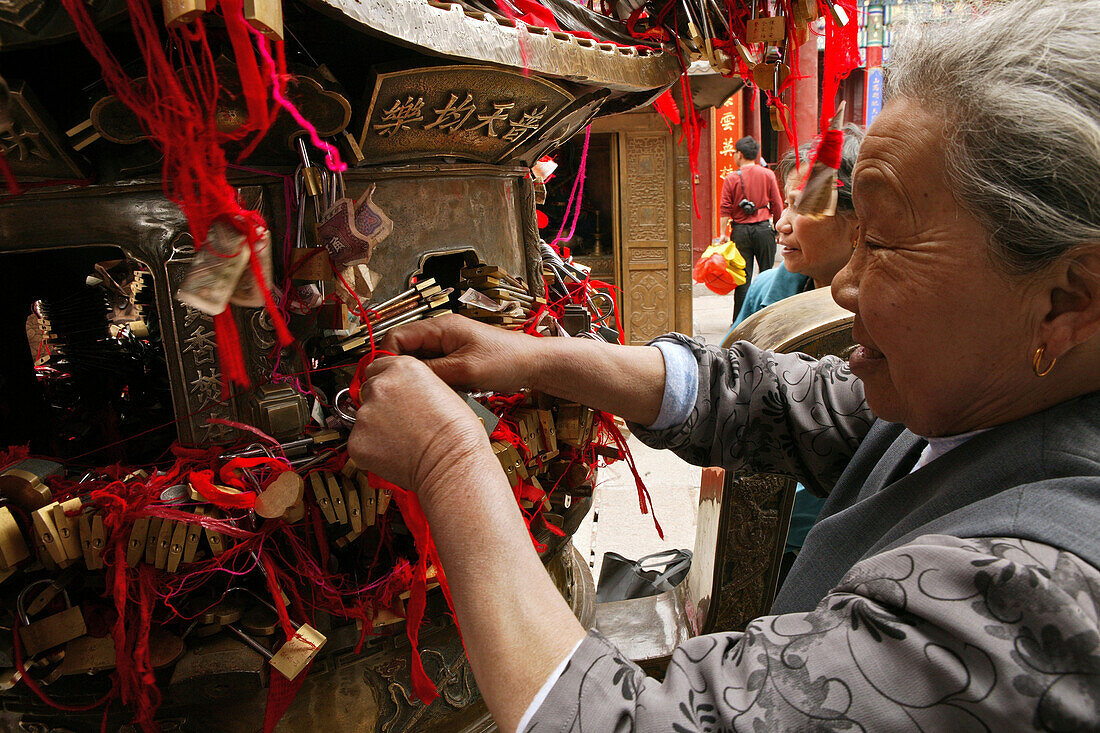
{"x": 1039, "y": 360}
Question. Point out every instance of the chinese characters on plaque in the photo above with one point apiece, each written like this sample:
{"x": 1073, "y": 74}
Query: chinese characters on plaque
{"x": 469, "y": 112}
{"x": 498, "y": 119}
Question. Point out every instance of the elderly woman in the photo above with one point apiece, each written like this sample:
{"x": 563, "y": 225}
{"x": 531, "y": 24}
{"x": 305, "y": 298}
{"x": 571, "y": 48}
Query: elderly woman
{"x": 953, "y": 581}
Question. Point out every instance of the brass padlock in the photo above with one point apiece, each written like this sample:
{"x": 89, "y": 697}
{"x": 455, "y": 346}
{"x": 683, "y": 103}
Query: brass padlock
{"x": 47, "y": 533}
{"x": 93, "y": 537}
{"x": 68, "y": 534}
{"x": 13, "y": 548}
{"x": 50, "y": 632}
{"x": 24, "y": 483}
{"x": 321, "y": 496}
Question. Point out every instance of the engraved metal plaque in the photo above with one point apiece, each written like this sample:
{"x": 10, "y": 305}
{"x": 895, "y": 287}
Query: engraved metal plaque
{"x": 475, "y": 113}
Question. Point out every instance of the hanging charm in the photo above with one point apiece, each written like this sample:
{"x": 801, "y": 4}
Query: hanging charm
{"x": 818, "y": 197}
{"x": 216, "y": 271}
{"x": 351, "y": 230}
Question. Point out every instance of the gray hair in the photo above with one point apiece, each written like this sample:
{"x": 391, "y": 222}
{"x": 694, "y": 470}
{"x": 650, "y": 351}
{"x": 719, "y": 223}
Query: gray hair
{"x": 1018, "y": 86}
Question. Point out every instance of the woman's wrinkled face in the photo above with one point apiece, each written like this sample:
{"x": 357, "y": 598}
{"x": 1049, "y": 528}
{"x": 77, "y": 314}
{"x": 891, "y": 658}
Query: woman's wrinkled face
{"x": 817, "y": 248}
{"x": 943, "y": 333}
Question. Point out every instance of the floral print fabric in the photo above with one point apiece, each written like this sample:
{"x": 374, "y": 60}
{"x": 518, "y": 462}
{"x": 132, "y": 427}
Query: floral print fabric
{"x": 765, "y": 412}
{"x": 942, "y": 634}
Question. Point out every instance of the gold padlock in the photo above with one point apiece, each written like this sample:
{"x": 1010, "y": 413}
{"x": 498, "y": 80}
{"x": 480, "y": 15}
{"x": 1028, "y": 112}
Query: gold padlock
{"x": 13, "y": 548}
{"x": 52, "y": 631}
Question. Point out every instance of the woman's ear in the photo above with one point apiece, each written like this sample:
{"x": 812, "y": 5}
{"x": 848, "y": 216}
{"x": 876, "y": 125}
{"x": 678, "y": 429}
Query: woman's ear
{"x": 1074, "y": 315}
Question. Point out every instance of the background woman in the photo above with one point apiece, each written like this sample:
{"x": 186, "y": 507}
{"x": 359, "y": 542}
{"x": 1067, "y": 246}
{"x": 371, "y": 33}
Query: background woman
{"x": 953, "y": 582}
{"x": 813, "y": 250}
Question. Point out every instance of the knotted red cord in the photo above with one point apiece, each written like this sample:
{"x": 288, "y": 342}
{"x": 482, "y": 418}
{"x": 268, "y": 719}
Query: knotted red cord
{"x": 841, "y": 55}
{"x": 829, "y": 150}
{"x": 413, "y": 514}
{"x": 645, "y": 501}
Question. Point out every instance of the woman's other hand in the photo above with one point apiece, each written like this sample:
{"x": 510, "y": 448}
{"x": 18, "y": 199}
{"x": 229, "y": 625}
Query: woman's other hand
{"x": 411, "y": 427}
{"x": 468, "y": 354}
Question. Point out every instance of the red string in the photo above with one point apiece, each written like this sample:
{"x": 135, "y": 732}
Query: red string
{"x": 413, "y": 514}
{"x": 576, "y": 195}
{"x": 645, "y": 501}
{"x": 841, "y": 57}
{"x": 830, "y": 148}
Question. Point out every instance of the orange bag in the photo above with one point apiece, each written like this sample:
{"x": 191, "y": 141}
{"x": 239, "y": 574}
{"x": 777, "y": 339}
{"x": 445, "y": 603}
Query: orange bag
{"x": 721, "y": 268}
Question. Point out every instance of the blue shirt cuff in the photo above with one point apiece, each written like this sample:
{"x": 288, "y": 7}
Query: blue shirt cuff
{"x": 681, "y": 384}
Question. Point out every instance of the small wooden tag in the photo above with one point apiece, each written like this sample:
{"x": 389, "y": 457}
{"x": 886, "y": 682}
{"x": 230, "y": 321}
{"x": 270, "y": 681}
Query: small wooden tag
{"x": 298, "y": 651}
{"x": 766, "y": 30}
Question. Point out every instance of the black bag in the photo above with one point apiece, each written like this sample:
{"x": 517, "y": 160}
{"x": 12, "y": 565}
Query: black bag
{"x": 621, "y": 578}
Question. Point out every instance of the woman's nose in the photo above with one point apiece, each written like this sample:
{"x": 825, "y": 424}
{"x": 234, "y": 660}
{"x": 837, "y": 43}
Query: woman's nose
{"x": 784, "y": 225}
{"x": 845, "y": 286}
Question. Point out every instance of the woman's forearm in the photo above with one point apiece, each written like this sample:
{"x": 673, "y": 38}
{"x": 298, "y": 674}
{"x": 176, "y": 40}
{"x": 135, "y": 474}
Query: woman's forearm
{"x": 515, "y": 624}
{"x": 628, "y": 381}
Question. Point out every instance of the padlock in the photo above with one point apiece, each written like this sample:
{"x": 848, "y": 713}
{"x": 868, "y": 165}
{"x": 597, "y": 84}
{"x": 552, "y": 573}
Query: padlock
{"x": 13, "y": 548}
{"x": 50, "y": 632}
{"x": 46, "y": 530}
{"x": 135, "y": 548}
{"x": 321, "y": 496}
{"x": 164, "y": 544}
{"x": 215, "y": 539}
{"x": 176, "y": 545}
{"x": 548, "y": 435}
{"x": 281, "y": 496}
{"x": 352, "y": 504}
{"x": 384, "y": 497}
{"x": 93, "y": 538}
{"x": 152, "y": 540}
{"x": 368, "y": 501}
{"x": 266, "y": 16}
{"x": 24, "y": 483}
{"x": 191, "y": 539}
{"x": 181, "y": 12}
{"x": 68, "y": 533}
{"x": 336, "y": 496}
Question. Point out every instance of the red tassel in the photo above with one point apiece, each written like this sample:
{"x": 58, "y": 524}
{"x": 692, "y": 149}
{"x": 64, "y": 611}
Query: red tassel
{"x": 230, "y": 358}
{"x": 645, "y": 501}
{"x": 413, "y": 514}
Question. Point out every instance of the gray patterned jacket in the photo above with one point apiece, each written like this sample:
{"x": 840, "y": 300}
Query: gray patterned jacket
{"x": 966, "y": 608}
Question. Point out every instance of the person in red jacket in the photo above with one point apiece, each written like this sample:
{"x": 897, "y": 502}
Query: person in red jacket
{"x": 750, "y": 204}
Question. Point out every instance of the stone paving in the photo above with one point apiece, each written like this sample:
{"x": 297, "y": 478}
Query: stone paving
{"x": 615, "y": 523}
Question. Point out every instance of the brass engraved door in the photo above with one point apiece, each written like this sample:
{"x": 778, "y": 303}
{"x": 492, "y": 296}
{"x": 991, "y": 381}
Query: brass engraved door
{"x": 655, "y": 217}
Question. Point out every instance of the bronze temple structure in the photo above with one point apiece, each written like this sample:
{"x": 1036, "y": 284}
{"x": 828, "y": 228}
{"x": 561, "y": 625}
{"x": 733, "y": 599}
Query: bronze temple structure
{"x": 440, "y": 109}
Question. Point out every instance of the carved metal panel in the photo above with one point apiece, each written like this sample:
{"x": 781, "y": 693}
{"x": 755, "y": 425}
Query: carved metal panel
{"x": 655, "y": 241}
{"x": 469, "y": 112}
{"x": 32, "y": 143}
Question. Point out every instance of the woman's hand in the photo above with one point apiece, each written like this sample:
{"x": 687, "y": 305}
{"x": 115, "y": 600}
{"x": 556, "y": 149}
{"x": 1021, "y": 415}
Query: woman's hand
{"x": 412, "y": 428}
{"x": 468, "y": 354}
